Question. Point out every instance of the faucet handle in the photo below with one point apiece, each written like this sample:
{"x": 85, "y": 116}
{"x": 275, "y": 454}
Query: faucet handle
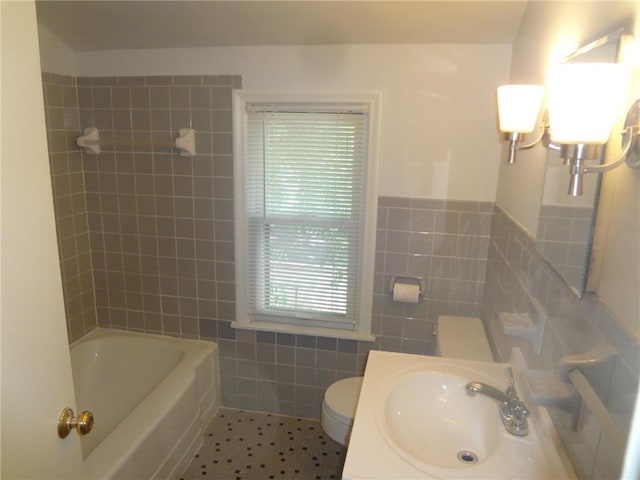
{"x": 511, "y": 389}
{"x": 522, "y": 408}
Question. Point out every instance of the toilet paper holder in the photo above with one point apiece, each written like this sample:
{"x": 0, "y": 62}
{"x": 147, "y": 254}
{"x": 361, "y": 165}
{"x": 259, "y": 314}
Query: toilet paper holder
{"x": 410, "y": 280}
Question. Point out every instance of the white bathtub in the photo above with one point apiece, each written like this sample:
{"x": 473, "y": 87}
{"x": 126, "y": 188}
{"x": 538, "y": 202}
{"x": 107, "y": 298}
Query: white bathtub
{"x": 151, "y": 397}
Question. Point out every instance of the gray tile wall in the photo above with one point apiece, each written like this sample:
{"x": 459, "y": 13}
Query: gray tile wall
{"x": 445, "y": 242}
{"x": 563, "y": 234}
{"x": 65, "y": 159}
{"x": 161, "y": 224}
{"x": 519, "y": 280}
{"x": 161, "y": 238}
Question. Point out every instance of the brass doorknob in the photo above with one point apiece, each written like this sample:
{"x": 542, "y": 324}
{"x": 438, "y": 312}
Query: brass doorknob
{"x": 67, "y": 422}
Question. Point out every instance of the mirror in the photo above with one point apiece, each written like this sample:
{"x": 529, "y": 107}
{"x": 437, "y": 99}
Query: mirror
{"x": 566, "y": 224}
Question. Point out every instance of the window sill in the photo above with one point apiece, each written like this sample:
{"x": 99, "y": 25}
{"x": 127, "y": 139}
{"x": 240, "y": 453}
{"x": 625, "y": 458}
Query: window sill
{"x": 302, "y": 330}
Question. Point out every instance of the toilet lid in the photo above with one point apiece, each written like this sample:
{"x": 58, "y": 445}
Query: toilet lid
{"x": 342, "y": 397}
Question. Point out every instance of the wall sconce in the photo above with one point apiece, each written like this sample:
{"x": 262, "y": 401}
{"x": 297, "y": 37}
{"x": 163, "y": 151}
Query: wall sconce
{"x": 584, "y": 101}
{"x": 518, "y": 109}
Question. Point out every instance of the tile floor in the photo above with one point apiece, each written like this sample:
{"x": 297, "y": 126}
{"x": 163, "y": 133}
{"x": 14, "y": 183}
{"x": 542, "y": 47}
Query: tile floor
{"x": 242, "y": 445}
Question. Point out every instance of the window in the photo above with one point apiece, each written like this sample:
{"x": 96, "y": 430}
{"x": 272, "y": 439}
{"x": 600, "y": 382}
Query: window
{"x": 305, "y": 173}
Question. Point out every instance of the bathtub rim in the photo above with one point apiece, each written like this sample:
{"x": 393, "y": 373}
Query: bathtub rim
{"x": 115, "y": 456}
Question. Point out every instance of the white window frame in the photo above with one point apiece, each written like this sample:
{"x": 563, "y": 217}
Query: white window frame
{"x": 371, "y": 102}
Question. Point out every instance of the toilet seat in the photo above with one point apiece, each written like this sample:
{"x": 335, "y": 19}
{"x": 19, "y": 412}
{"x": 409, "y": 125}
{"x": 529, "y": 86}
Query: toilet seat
{"x": 341, "y": 398}
{"x": 339, "y": 408}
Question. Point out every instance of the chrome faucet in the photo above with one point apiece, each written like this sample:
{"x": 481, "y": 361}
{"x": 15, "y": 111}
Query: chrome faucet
{"x": 513, "y": 411}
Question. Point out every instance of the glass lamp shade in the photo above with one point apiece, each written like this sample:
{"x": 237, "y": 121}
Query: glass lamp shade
{"x": 584, "y": 100}
{"x": 518, "y": 107}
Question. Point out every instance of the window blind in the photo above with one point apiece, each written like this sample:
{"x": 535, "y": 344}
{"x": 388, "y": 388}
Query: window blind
{"x": 305, "y": 193}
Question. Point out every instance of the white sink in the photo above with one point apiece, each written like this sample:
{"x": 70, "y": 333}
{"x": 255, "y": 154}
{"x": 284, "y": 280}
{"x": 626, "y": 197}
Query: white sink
{"x": 415, "y": 420}
{"x": 429, "y": 419}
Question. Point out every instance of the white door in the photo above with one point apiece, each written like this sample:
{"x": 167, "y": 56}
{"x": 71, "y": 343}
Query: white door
{"x": 36, "y": 370}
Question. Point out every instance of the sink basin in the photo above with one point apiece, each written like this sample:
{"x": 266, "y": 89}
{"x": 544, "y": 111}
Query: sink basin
{"x": 415, "y": 421}
{"x": 429, "y": 419}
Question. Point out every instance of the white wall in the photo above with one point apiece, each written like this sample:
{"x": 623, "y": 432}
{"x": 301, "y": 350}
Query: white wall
{"x": 548, "y": 31}
{"x": 618, "y": 229}
{"x": 55, "y": 56}
{"x": 439, "y": 124}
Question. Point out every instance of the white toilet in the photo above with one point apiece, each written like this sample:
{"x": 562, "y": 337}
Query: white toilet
{"x": 339, "y": 408}
{"x": 457, "y": 337}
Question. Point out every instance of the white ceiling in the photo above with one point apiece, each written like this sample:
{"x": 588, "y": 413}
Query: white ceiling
{"x": 113, "y": 25}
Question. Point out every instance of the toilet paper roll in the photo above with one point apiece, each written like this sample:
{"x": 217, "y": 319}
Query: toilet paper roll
{"x": 406, "y": 292}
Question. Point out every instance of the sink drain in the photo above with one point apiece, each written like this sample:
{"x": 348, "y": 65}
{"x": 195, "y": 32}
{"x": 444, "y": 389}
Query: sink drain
{"x": 467, "y": 457}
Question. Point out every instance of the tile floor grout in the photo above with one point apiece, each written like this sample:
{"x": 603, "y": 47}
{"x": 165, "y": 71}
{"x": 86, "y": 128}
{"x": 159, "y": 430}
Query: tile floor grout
{"x": 241, "y": 445}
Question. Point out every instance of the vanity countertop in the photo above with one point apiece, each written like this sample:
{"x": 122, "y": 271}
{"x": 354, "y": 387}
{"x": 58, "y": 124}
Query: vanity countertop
{"x": 371, "y": 455}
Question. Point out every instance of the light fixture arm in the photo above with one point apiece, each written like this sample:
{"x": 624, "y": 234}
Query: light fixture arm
{"x": 544, "y": 129}
{"x": 631, "y": 134}
{"x": 630, "y": 153}
{"x": 546, "y": 136}
{"x": 515, "y": 137}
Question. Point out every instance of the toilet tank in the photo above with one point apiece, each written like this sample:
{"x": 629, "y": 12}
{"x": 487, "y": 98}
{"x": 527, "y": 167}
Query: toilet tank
{"x": 462, "y": 337}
